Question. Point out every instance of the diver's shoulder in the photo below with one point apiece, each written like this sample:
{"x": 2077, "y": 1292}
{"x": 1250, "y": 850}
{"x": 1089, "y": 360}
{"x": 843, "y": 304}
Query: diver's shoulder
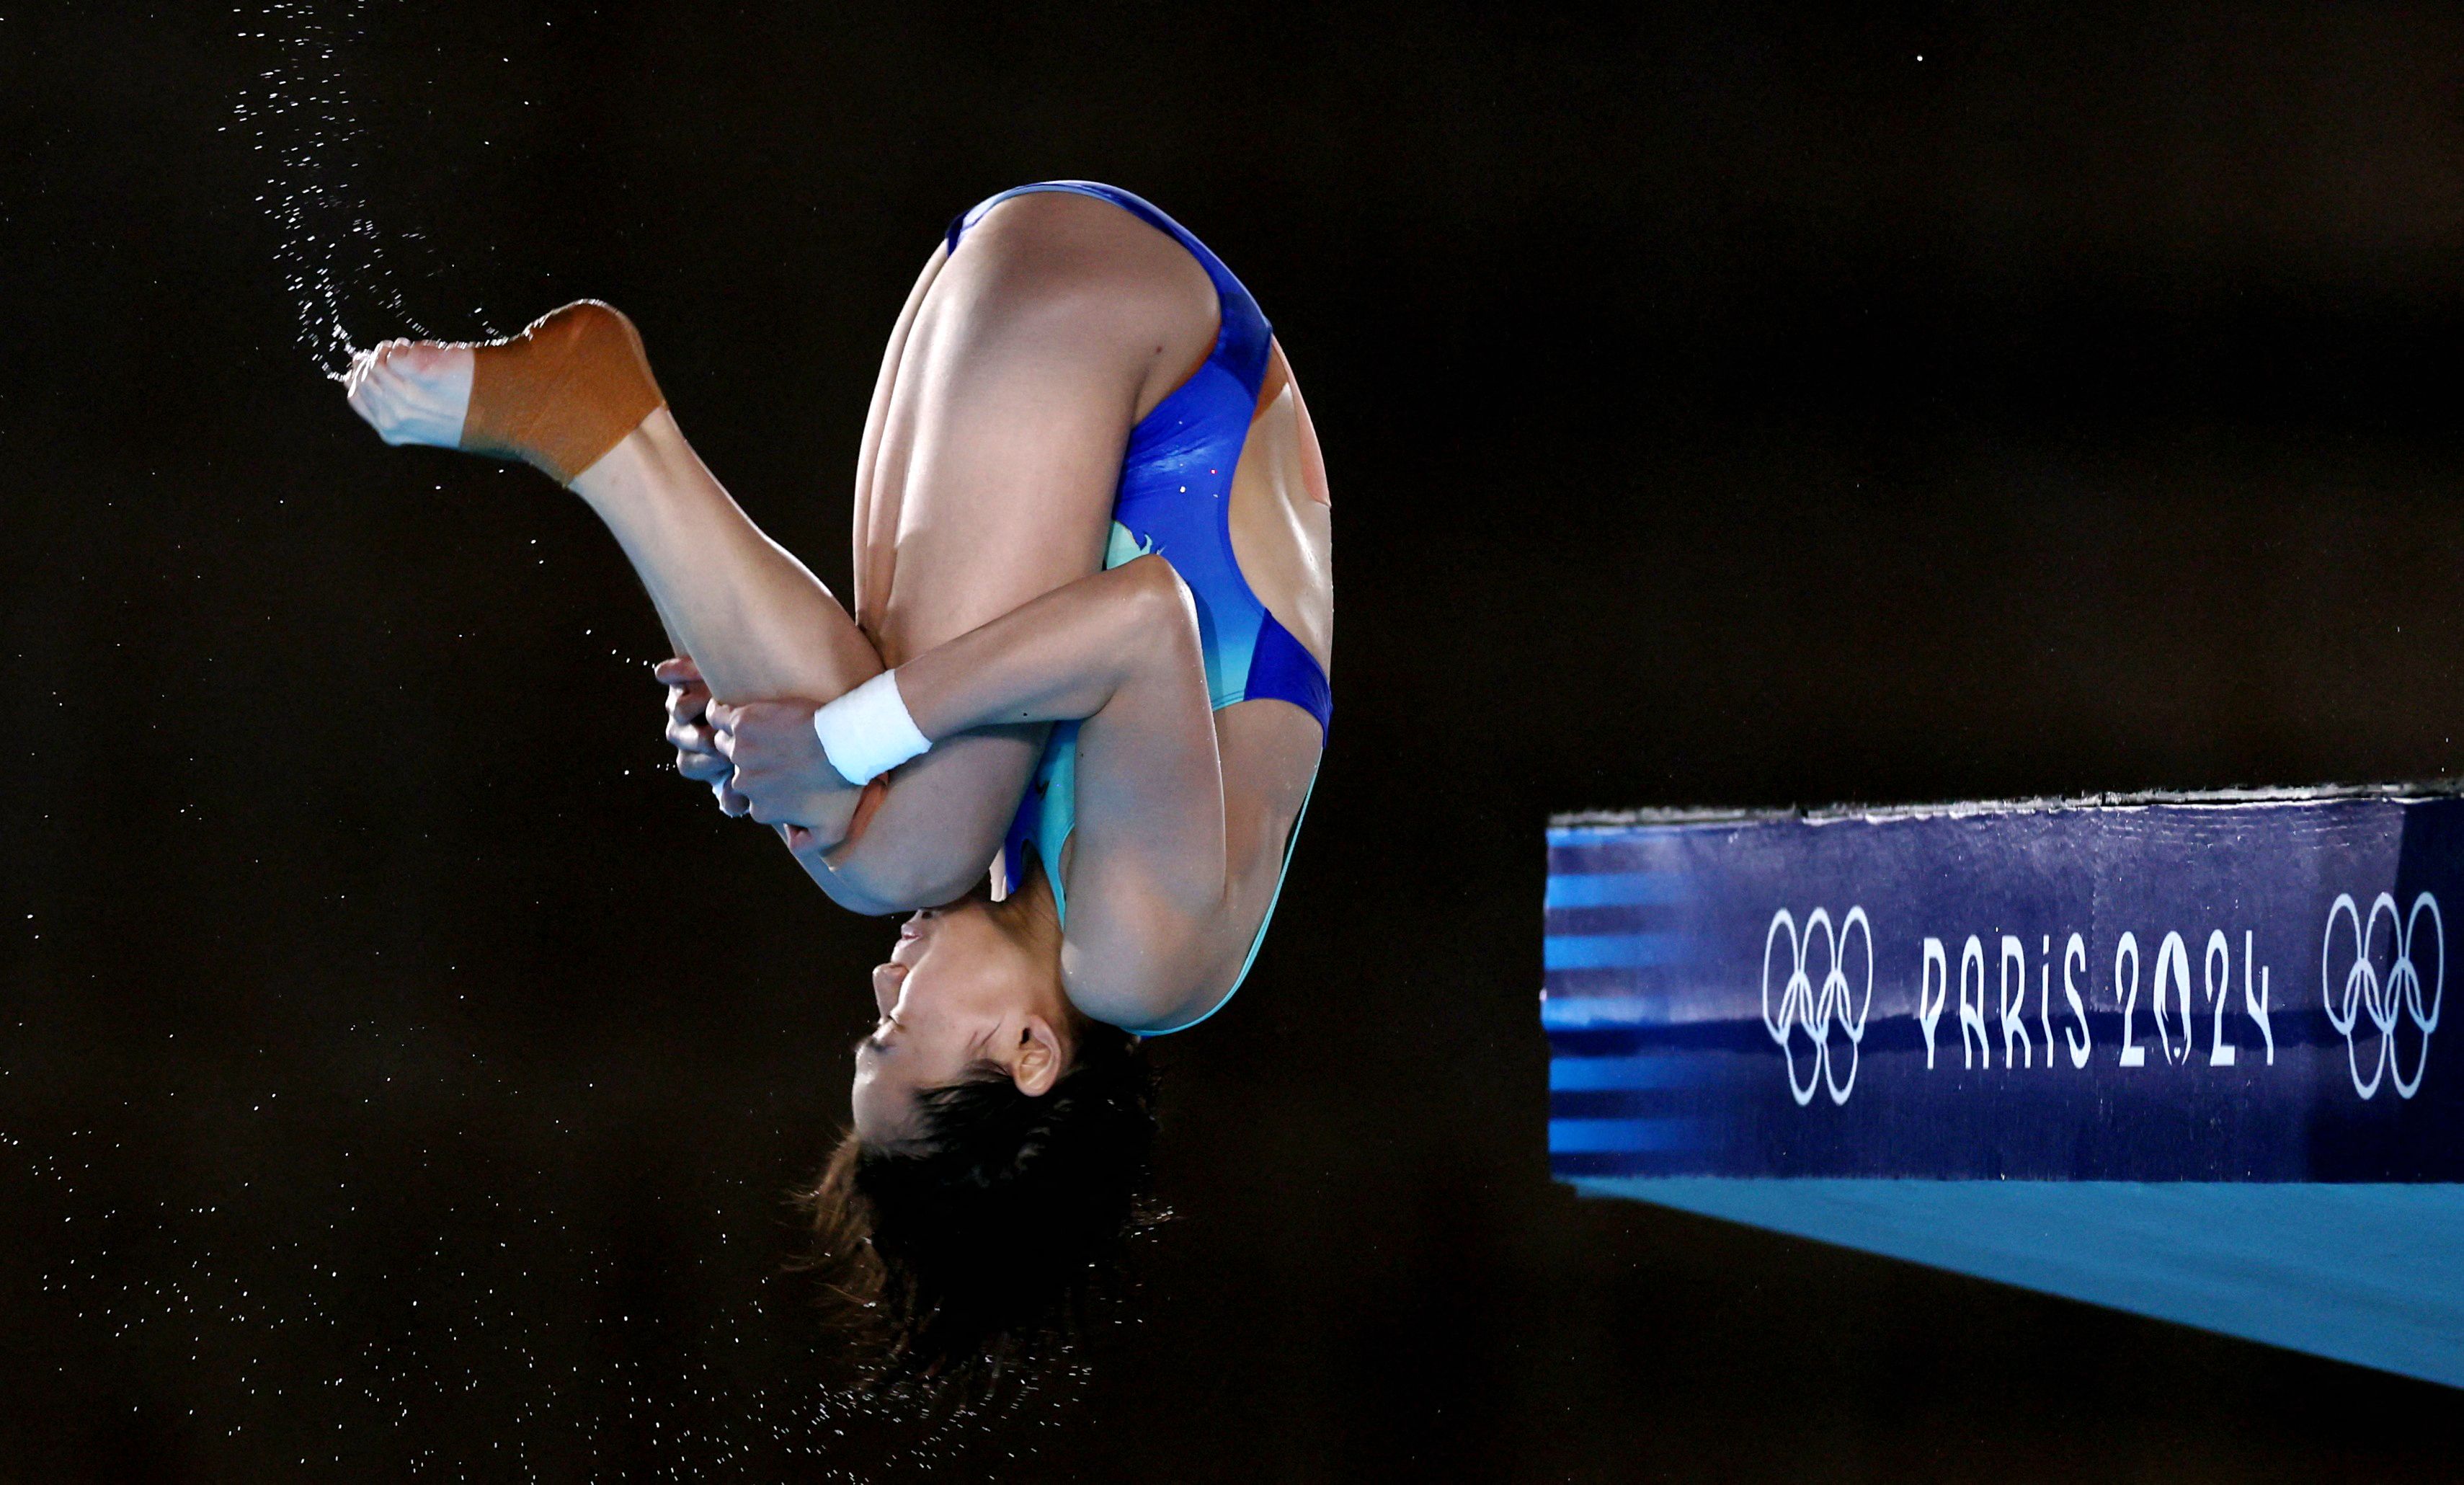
{"x": 1151, "y": 965}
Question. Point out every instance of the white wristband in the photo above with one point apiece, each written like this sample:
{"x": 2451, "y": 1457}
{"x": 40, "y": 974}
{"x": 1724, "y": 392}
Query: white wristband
{"x": 868, "y": 732}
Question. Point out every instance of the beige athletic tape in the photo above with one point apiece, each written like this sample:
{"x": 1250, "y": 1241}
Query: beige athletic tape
{"x": 562, "y": 393}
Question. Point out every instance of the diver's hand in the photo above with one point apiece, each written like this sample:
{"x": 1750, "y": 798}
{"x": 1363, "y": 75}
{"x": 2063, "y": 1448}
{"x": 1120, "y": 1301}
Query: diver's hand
{"x": 689, "y": 730}
{"x": 782, "y": 773}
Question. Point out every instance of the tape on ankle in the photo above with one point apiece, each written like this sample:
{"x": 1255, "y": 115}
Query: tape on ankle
{"x": 868, "y": 732}
{"x": 562, "y": 393}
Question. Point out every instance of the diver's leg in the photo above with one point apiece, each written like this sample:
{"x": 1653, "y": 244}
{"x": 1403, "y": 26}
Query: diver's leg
{"x": 755, "y": 621}
{"x": 991, "y": 456}
{"x": 1058, "y": 324}
{"x": 1008, "y": 401}
{"x": 758, "y": 623}
{"x": 992, "y": 461}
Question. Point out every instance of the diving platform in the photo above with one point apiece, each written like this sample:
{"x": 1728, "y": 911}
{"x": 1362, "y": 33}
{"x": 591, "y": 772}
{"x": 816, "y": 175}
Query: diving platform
{"x": 2172, "y": 1053}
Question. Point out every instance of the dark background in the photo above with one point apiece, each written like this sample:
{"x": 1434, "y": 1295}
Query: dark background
{"x": 398, "y": 1075}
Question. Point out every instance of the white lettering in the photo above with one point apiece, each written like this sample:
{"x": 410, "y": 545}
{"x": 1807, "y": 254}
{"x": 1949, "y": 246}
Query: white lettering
{"x": 2219, "y": 989}
{"x": 2079, "y": 1009}
{"x": 1933, "y": 988}
{"x": 2014, "y": 953}
{"x": 2257, "y": 1005}
{"x": 1971, "y": 1014}
{"x": 2132, "y": 1053}
{"x": 2172, "y": 999}
{"x": 2044, "y": 998}
{"x": 2173, "y": 957}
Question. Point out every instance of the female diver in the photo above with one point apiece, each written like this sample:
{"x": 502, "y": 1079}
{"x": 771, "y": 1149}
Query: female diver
{"x": 1091, "y": 546}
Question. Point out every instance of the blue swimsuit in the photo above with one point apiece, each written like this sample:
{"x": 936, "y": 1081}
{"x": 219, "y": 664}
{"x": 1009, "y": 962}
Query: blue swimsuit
{"x": 1174, "y": 501}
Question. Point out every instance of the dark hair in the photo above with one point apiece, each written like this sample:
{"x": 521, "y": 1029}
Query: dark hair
{"x": 966, "y": 1258}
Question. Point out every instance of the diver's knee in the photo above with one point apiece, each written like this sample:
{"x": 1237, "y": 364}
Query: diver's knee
{"x": 1163, "y": 611}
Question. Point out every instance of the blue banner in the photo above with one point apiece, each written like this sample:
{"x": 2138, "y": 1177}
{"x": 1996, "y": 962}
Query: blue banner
{"x": 2212, "y": 990}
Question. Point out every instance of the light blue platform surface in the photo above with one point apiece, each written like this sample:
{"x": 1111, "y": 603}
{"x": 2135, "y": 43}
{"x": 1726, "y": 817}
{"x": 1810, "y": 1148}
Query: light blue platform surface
{"x": 2367, "y": 1273}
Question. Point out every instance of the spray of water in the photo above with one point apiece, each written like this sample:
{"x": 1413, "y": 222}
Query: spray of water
{"x": 299, "y": 116}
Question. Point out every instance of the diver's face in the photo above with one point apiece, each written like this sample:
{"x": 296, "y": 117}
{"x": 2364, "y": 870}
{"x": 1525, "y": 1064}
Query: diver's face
{"x": 959, "y": 990}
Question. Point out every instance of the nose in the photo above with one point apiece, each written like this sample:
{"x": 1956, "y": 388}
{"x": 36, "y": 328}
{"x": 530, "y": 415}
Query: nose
{"x": 885, "y": 980}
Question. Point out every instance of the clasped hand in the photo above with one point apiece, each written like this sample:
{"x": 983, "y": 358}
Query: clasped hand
{"x": 760, "y": 759}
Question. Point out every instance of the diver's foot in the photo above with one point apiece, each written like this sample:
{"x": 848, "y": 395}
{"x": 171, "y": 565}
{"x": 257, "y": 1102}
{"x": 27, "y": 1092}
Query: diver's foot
{"x": 412, "y": 392}
{"x": 556, "y": 396}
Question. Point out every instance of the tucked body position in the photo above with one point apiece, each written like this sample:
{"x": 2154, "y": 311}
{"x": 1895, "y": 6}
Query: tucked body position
{"x": 1070, "y": 726}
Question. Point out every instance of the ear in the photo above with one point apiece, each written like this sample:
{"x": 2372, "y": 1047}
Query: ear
{"x": 1036, "y": 1061}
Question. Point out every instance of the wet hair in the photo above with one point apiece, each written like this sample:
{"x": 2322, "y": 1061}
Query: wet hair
{"x": 966, "y": 1258}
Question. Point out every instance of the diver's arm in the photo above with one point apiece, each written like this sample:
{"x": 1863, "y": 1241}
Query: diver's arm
{"x": 1062, "y": 657}
{"x": 1111, "y": 642}
{"x": 1118, "y": 652}
{"x": 886, "y": 863}
{"x": 903, "y": 841}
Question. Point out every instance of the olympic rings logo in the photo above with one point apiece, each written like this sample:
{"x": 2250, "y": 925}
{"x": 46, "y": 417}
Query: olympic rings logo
{"x": 2383, "y": 999}
{"x": 1817, "y": 1008}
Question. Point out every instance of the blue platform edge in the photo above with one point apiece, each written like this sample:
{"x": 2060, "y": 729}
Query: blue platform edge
{"x": 2367, "y": 1273}
{"x": 1921, "y": 1032}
